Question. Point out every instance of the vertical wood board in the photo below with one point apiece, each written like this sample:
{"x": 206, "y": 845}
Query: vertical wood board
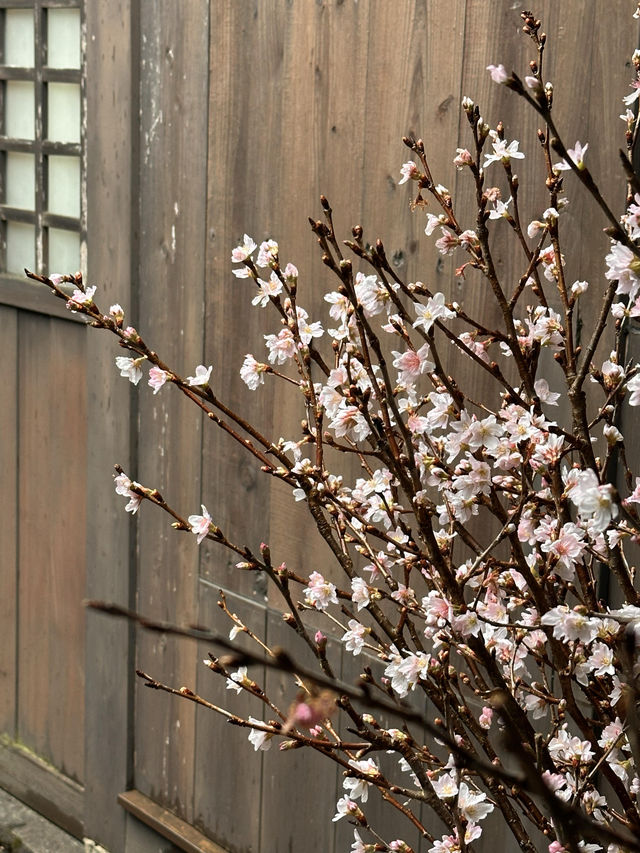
{"x": 110, "y": 569}
{"x": 173, "y": 132}
{"x": 8, "y": 518}
{"x": 52, "y": 451}
{"x": 228, "y": 771}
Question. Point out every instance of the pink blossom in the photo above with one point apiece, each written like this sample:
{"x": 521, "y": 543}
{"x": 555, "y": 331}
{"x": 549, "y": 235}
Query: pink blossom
{"x": 623, "y": 266}
{"x": 346, "y": 808}
{"x": 463, "y": 158}
{"x": 200, "y": 524}
{"x": 261, "y": 740}
{"x": 267, "y": 290}
{"x": 409, "y": 172}
{"x": 244, "y": 250}
{"x": 498, "y": 73}
{"x": 281, "y": 346}
{"x": 81, "y": 297}
{"x": 486, "y": 717}
{"x": 633, "y": 386}
{"x": 320, "y": 593}
{"x": 359, "y": 788}
{"x": 502, "y": 152}
{"x": 268, "y": 254}
{"x": 473, "y": 804}
{"x": 123, "y": 487}
{"x": 354, "y": 638}
{"x": 360, "y": 593}
{"x": 541, "y": 387}
{"x": 130, "y": 368}
{"x": 157, "y": 378}
{"x": 445, "y": 785}
{"x": 202, "y": 375}
{"x": 576, "y": 155}
{"x": 350, "y": 422}
{"x": 434, "y": 309}
{"x": 252, "y": 372}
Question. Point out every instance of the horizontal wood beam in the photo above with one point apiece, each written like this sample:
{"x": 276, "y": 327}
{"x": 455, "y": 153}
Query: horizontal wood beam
{"x": 42, "y": 787}
{"x": 165, "y": 823}
{"x": 28, "y": 296}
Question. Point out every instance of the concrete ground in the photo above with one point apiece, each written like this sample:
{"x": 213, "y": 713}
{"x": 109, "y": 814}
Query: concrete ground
{"x": 24, "y": 831}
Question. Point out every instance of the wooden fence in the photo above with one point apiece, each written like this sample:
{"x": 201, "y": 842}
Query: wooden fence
{"x": 207, "y": 119}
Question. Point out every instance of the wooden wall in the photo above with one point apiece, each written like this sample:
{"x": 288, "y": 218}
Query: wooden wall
{"x": 307, "y": 98}
{"x": 209, "y": 119}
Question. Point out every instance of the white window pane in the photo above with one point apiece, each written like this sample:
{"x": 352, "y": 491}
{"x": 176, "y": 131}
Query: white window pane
{"x": 19, "y": 109}
{"x": 21, "y": 180}
{"x": 63, "y": 38}
{"x": 64, "y": 251}
{"x": 21, "y": 247}
{"x": 63, "y": 112}
{"x": 64, "y": 185}
{"x": 18, "y": 37}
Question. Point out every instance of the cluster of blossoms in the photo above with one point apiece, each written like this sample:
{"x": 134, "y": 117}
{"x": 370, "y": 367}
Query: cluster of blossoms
{"x": 472, "y": 540}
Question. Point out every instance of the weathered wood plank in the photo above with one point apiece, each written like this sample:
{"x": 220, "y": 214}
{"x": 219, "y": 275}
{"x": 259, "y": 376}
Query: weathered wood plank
{"x": 111, "y": 67}
{"x": 8, "y": 518}
{"x": 244, "y": 124}
{"x": 299, "y": 786}
{"x": 173, "y": 134}
{"x": 228, "y": 772}
{"x": 165, "y": 824}
{"x": 38, "y": 784}
{"x": 34, "y": 297}
{"x": 52, "y": 486}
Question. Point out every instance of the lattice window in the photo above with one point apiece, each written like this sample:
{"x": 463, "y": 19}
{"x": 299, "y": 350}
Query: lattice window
{"x": 42, "y": 164}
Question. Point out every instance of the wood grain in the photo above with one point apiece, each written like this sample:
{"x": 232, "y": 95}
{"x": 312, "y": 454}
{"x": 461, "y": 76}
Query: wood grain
{"x": 110, "y": 568}
{"x": 8, "y": 519}
{"x": 173, "y": 142}
{"x": 52, "y": 488}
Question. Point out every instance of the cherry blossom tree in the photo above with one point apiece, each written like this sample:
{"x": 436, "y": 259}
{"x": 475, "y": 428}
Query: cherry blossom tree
{"x": 467, "y": 552}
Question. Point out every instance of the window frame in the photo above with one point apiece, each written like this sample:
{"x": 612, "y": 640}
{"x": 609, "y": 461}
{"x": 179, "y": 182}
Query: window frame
{"x": 14, "y": 289}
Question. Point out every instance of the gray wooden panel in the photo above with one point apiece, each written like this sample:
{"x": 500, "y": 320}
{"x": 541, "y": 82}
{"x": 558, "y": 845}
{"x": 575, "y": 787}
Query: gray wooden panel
{"x": 299, "y": 785}
{"x": 109, "y": 680}
{"x": 52, "y": 485}
{"x": 245, "y": 122}
{"x": 8, "y": 518}
{"x": 228, "y": 771}
{"x": 173, "y": 157}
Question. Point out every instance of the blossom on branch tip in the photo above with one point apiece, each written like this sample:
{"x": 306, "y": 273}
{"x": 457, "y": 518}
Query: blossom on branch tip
{"x": 202, "y": 375}
{"x": 200, "y": 524}
{"x": 268, "y": 254}
{"x": 576, "y": 155}
{"x": 409, "y": 171}
{"x": 130, "y": 368}
{"x": 123, "y": 487}
{"x": 498, "y": 73}
{"x": 503, "y": 152}
{"x": 244, "y": 250}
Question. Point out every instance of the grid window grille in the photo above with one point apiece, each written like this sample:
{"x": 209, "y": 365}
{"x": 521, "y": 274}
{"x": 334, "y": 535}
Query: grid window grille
{"x": 42, "y": 159}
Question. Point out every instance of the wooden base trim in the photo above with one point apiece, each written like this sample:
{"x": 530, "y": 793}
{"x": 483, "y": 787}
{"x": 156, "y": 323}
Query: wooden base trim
{"x": 42, "y": 787}
{"x": 178, "y": 832}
